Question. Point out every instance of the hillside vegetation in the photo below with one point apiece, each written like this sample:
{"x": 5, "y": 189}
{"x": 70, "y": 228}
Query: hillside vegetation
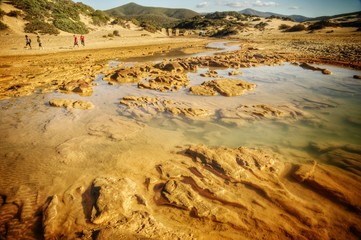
{"x": 221, "y": 24}
{"x": 50, "y": 16}
{"x": 218, "y": 24}
{"x": 158, "y": 17}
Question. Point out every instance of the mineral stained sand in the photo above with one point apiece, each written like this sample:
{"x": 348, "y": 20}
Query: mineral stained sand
{"x": 108, "y": 173}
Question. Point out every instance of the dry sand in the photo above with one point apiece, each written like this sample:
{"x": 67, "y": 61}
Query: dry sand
{"x": 87, "y": 175}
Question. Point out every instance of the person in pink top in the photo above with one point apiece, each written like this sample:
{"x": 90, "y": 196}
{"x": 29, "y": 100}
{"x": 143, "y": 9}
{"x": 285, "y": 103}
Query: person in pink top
{"x": 75, "y": 41}
{"x": 82, "y": 40}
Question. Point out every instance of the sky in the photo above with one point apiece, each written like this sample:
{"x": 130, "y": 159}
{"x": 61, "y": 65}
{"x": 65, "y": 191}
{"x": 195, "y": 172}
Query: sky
{"x": 308, "y": 8}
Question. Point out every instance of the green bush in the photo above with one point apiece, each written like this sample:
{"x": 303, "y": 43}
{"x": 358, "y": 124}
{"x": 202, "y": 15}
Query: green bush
{"x": 99, "y": 18}
{"x": 65, "y": 15}
{"x": 70, "y": 26}
{"x": 135, "y": 21}
{"x": 37, "y": 26}
{"x": 3, "y": 26}
{"x": 83, "y": 8}
{"x": 35, "y": 9}
{"x": 148, "y": 27}
{"x": 296, "y": 28}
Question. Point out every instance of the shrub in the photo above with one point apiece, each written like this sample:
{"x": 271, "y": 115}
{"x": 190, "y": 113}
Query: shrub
{"x": 110, "y": 35}
{"x": 351, "y": 24}
{"x": 116, "y": 33}
{"x": 283, "y": 27}
{"x": 64, "y": 14}
{"x": 35, "y": 9}
{"x": 148, "y": 27}
{"x": 261, "y": 25}
{"x": 321, "y": 25}
{"x": 68, "y": 25}
{"x": 225, "y": 32}
{"x": 81, "y": 7}
{"x": 121, "y": 22}
{"x": 37, "y": 26}
{"x": 66, "y": 11}
{"x": 14, "y": 13}
{"x": 135, "y": 21}
{"x": 99, "y": 18}
{"x": 2, "y": 13}
{"x": 3, "y": 26}
{"x": 296, "y": 28}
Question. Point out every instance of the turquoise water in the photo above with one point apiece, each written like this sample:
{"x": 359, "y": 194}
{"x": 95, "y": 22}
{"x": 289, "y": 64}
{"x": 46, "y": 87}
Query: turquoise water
{"x": 331, "y": 102}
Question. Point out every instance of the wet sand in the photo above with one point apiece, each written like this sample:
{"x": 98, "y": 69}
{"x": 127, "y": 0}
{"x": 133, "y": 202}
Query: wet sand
{"x": 152, "y": 160}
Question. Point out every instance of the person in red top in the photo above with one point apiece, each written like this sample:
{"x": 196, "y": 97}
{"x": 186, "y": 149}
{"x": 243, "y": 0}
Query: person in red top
{"x": 82, "y": 40}
{"x": 75, "y": 41}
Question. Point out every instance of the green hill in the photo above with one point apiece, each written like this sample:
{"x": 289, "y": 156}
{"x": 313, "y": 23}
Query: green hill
{"x": 50, "y": 16}
{"x": 154, "y": 15}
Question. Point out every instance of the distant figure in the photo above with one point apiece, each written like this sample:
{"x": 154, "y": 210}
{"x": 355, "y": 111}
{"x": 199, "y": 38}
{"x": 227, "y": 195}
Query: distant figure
{"x": 27, "y": 41}
{"x": 39, "y": 42}
{"x": 75, "y": 41}
{"x": 82, "y": 40}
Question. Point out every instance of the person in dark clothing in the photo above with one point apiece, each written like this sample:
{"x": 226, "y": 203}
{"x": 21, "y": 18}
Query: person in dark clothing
{"x": 39, "y": 42}
{"x": 28, "y": 42}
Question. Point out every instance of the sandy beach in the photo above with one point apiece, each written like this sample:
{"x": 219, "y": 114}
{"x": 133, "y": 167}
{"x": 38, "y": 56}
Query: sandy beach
{"x": 146, "y": 136}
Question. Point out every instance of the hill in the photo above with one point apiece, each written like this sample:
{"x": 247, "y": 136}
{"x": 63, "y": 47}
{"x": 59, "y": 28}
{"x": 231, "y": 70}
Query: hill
{"x": 297, "y": 18}
{"x": 155, "y": 15}
{"x": 250, "y": 11}
{"x": 50, "y": 16}
{"x": 231, "y": 24}
{"x": 344, "y": 15}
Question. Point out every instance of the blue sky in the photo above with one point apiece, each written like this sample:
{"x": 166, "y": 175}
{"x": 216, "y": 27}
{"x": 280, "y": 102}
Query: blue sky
{"x": 308, "y": 8}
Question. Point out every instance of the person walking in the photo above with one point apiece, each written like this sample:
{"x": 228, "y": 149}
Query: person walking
{"x": 75, "y": 41}
{"x": 39, "y": 42}
{"x": 27, "y": 42}
{"x": 82, "y": 40}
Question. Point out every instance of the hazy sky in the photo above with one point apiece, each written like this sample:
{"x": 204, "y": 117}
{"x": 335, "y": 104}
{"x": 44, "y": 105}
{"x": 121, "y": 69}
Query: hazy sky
{"x": 308, "y": 8}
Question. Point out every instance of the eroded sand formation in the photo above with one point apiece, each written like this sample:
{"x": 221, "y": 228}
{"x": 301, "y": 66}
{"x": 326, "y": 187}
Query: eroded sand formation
{"x": 224, "y": 87}
{"x": 71, "y": 104}
{"x": 171, "y": 75}
{"x": 147, "y": 108}
{"x": 221, "y": 192}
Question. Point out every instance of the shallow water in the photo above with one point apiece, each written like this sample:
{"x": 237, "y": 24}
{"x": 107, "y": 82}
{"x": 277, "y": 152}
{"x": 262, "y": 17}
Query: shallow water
{"x": 332, "y": 101}
{"x": 34, "y": 135}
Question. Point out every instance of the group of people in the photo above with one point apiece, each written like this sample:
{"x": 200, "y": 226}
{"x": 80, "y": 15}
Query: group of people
{"x": 82, "y": 41}
{"x": 28, "y": 41}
